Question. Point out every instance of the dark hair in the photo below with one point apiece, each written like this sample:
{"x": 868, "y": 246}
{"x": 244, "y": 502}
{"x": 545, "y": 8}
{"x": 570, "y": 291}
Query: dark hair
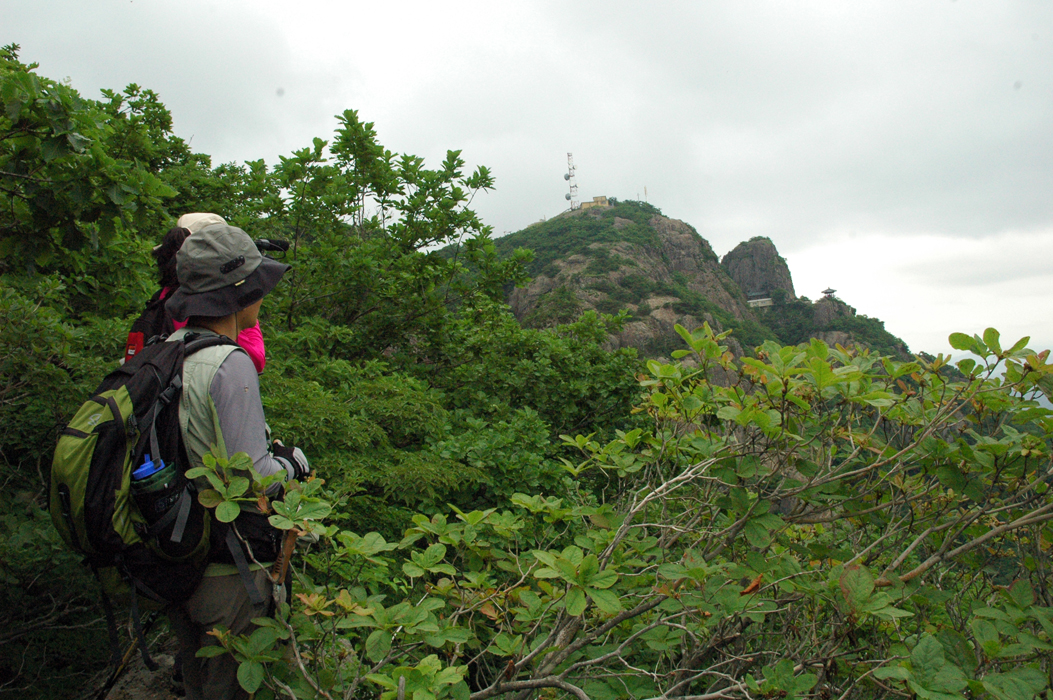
{"x": 165, "y": 255}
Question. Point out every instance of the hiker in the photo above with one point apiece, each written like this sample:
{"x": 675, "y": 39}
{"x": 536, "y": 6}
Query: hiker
{"x": 155, "y": 321}
{"x": 222, "y": 281}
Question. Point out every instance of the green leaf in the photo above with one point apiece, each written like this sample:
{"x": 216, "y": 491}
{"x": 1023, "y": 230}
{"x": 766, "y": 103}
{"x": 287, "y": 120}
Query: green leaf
{"x": 250, "y": 675}
{"x": 1022, "y": 594}
{"x": 605, "y": 600}
{"x": 1021, "y": 683}
{"x": 856, "y": 585}
{"x": 378, "y": 644}
{"x": 227, "y": 511}
{"x": 986, "y": 635}
{"x": 897, "y": 672}
{"x": 991, "y": 337}
{"x": 237, "y": 487}
{"x": 209, "y": 498}
{"x": 575, "y": 601}
{"x": 931, "y": 670}
{"x": 260, "y": 640}
{"x": 1019, "y": 345}
{"x": 604, "y": 579}
{"x": 210, "y": 651}
{"x": 590, "y": 565}
{"x": 957, "y": 650}
{"x": 281, "y": 522}
{"x": 432, "y": 555}
{"x": 318, "y": 510}
{"x": 961, "y": 341}
{"x": 412, "y": 570}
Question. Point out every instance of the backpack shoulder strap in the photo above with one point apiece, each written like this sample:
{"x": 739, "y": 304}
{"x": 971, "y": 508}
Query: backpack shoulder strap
{"x": 195, "y": 342}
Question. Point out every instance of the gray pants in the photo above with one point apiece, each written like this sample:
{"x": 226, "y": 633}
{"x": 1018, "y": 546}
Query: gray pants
{"x": 219, "y": 600}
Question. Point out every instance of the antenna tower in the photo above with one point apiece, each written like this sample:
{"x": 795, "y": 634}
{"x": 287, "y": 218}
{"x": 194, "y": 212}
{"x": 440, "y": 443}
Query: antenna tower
{"x": 572, "y": 196}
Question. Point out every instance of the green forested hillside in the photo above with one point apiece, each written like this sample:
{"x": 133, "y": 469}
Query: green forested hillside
{"x": 564, "y": 236}
{"x": 504, "y": 511}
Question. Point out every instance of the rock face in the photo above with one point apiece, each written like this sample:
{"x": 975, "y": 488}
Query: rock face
{"x": 828, "y": 309}
{"x": 663, "y": 275}
{"x": 758, "y": 269}
{"x": 628, "y": 257}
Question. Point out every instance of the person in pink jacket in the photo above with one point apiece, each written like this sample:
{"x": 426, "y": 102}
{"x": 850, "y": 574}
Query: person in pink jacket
{"x": 156, "y": 321}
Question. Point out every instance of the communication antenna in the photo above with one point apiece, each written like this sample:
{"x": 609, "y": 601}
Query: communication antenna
{"x": 572, "y": 196}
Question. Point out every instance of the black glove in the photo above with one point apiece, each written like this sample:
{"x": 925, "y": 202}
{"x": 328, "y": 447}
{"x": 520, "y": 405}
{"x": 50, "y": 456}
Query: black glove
{"x": 293, "y": 459}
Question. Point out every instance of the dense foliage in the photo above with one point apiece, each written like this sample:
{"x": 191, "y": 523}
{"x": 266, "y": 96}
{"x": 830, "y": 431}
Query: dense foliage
{"x": 796, "y": 321}
{"x": 504, "y": 511}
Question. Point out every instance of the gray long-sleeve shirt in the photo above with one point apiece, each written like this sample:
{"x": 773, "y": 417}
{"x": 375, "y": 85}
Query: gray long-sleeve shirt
{"x": 235, "y": 391}
{"x": 221, "y": 406}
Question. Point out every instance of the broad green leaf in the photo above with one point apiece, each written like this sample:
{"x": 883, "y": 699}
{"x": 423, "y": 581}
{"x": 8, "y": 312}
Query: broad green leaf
{"x": 378, "y": 644}
{"x": 250, "y": 675}
{"x": 260, "y": 640}
{"x": 210, "y": 651}
{"x": 1019, "y": 345}
{"x": 1022, "y": 594}
{"x": 590, "y": 565}
{"x": 432, "y": 555}
{"x": 575, "y": 601}
{"x": 991, "y": 337}
{"x": 412, "y": 570}
{"x": 987, "y": 636}
{"x": 957, "y": 650}
{"x": 960, "y": 341}
{"x": 605, "y": 600}
{"x": 237, "y": 487}
{"x": 227, "y": 511}
{"x": 281, "y": 522}
{"x": 209, "y": 498}
{"x": 195, "y": 472}
{"x": 897, "y": 672}
{"x": 1021, "y": 683}
{"x": 604, "y": 579}
{"x": 857, "y": 583}
{"x": 931, "y": 670}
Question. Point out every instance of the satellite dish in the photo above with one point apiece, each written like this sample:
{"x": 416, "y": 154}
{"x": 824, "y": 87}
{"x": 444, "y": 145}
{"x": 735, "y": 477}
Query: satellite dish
{"x": 567, "y": 196}
{"x": 566, "y": 176}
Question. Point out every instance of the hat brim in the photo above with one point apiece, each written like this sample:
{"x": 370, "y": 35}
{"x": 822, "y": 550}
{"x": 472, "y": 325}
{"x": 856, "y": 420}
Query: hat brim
{"x": 230, "y": 299}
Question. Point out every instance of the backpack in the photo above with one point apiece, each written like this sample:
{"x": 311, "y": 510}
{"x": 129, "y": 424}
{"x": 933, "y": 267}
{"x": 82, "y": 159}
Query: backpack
{"x": 154, "y": 322}
{"x": 132, "y": 418}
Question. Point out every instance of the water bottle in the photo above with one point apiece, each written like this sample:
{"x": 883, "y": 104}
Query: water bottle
{"x": 156, "y": 488}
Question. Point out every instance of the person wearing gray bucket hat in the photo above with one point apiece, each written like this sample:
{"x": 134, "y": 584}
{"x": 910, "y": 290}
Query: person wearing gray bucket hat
{"x": 223, "y": 279}
{"x": 221, "y": 272}
{"x": 155, "y": 321}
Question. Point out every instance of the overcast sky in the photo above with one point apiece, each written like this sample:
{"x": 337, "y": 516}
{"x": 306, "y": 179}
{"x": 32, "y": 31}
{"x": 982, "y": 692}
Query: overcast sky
{"x": 900, "y": 152}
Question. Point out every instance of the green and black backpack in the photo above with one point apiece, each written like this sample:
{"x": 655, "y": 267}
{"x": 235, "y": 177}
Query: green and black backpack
{"x": 133, "y": 418}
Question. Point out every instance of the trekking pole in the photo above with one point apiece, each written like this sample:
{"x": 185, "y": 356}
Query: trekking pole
{"x": 112, "y": 681}
{"x": 281, "y": 565}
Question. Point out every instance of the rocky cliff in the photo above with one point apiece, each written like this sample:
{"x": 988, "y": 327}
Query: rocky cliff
{"x": 758, "y": 269}
{"x": 662, "y": 272}
{"x": 629, "y": 257}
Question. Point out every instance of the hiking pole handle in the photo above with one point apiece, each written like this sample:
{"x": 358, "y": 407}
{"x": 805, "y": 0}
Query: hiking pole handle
{"x": 281, "y": 564}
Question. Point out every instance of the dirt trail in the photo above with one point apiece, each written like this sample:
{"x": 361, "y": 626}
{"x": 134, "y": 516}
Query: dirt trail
{"x": 139, "y": 683}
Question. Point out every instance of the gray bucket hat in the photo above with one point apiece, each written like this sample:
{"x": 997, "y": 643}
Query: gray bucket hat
{"x": 221, "y": 272}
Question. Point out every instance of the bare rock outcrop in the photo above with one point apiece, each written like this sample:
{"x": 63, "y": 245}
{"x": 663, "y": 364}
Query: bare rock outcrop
{"x": 758, "y": 269}
{"x": 671, "y": 276}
